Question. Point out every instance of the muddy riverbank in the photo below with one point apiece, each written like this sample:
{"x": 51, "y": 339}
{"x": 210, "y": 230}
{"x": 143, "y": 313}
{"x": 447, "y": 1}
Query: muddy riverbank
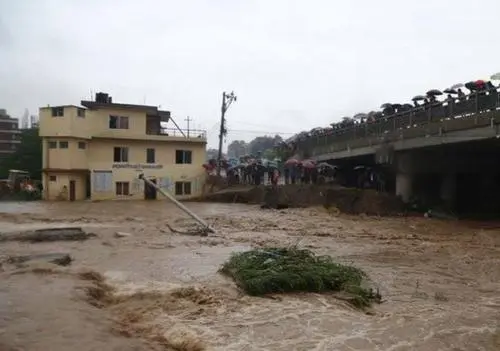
{"x": 440, "y": 282}
{"x": 346, "y": 200}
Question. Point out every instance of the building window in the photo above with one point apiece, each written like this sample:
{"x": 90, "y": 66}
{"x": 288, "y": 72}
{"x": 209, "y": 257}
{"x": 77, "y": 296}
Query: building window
{"x": 13, "y": 146}
{"x": 82, "y": 145}
{"x": 150, "y": 155}
{"x": 63, "y": 144}
{"x": 80, "y": 112}
{"x": 118, "y": 122}
{"x": 122, "y": 188}
{"x": 183, "y": 157}
{"x": 102, "y": 181}
{"x": 57, "y": 111}
{"x": 120, "y": 154}
{"x": 52, "y": 144}
{"x": 182, "y": 188}
{"x": 52, "y": 178}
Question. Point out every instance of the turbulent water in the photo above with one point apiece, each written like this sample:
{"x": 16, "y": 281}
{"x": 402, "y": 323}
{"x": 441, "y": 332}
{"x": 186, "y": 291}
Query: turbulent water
{"x": 440, "y": 282}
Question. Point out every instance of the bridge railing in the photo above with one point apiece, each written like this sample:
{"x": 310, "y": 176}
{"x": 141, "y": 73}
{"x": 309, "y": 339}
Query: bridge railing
{"x": 475, "y": 110}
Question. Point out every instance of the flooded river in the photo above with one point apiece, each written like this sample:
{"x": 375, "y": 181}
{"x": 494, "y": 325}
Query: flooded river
{"x": 440, "y": 282}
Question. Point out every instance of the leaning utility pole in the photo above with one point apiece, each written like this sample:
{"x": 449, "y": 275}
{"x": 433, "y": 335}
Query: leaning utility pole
{"x": 227, "y": 100}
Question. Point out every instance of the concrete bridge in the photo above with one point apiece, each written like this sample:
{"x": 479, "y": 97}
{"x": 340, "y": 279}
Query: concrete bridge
{"x": 458, "y": 152}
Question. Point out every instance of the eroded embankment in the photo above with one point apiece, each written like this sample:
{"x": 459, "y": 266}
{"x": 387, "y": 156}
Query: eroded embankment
{"x": 346, "y": 200}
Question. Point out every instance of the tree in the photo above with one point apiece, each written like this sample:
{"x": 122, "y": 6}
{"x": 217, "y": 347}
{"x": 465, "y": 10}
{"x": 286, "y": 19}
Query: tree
{"x": 237, "y": 149}
{"x": 28, "y": 156}
{"x": 263, "y": 143}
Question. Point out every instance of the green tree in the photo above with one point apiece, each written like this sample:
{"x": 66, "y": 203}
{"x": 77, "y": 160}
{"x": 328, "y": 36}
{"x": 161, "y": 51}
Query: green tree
{"x": 28, "y": 156}
{"x": 237, "y": 148}
{"x": 263, "y": 143}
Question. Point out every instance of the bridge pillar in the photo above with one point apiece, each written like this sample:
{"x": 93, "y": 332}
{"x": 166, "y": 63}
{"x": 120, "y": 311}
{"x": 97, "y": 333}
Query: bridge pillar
{"x": 404, "y": 186}
{"x": 405, "y": 174}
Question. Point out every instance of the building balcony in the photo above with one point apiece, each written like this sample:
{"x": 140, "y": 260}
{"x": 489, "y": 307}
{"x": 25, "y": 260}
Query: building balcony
{"x": 180, "y": 133}
{"x": 164, "y": 134}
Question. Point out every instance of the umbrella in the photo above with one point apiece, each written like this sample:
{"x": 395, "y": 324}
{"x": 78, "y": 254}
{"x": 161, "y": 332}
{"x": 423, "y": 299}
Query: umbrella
{"x": 396, "y": 106}
{"x": 471, "y": 86}
{"x": 479, "y": 82}
{"x": 360, "y": 116}
{"x": 434, "y": 92}
{"x": 291, "y": 161}
{"x": 450, "y": 91}
{"x": 407, "y": 106}
{"x": 272, "y": 164}
{"x": 457, "y": 86}
{"x": 324, "y": 164}
{"x": 496, "y": 76}
{"x": 419, "y": 98}
{"x": 386, "y": 105}
{"x": 308, "y": 164}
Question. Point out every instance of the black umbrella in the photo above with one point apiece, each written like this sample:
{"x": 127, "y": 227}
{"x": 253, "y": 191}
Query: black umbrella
{"x": 386, "y": 105}
{"x": 396, "y": 106}
{"x": 471, "y": 86}
{"x": 450, "y": 91}
{"x": 419, "y": 98}
{"x": 434, "y": 92}
{"x": 406, "y": 107}
{"x": 360, "y": 116}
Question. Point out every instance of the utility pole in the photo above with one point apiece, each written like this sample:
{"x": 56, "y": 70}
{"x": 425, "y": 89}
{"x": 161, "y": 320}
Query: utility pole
{"x": 188, "y": 120}
{"x": 227, "y": 100}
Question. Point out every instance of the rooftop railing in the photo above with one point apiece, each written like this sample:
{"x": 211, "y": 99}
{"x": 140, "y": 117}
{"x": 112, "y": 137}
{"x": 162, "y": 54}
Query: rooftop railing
{"x": 186, "y": 133}
{"x": 474, "y": 110}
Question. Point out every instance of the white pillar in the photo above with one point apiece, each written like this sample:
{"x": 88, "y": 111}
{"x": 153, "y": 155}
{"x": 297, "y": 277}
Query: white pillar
{"x": 404, "y": 186}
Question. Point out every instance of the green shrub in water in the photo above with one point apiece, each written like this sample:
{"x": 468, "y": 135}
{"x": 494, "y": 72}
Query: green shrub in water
{"x": 281, "y": 270}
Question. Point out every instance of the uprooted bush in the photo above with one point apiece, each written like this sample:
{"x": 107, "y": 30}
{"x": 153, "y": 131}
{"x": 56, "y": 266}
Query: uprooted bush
{"x": 281, "y": 270}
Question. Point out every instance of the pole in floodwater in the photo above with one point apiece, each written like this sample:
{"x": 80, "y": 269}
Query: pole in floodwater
{"x": 176, "y": 202}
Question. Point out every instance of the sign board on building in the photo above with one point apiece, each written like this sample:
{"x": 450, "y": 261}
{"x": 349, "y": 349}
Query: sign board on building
{"x": 137, "y": 165}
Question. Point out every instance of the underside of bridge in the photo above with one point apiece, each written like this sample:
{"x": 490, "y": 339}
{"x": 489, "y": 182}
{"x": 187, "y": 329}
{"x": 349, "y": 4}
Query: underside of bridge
{"x": 462, "y": 177}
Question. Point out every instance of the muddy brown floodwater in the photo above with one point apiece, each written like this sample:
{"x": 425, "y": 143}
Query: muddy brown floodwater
{"x": 440, "y": 282}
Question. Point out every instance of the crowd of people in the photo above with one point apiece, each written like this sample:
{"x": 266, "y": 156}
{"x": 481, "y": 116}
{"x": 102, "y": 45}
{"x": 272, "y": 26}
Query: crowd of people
{"x": 480, "y": 96}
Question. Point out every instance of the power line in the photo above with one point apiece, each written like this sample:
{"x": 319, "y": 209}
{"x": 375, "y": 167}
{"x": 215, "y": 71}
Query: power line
{"x": 259, "y": 131}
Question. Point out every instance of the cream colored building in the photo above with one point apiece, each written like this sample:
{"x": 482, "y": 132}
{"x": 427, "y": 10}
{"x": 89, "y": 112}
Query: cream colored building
{"x": 97, "y": 151}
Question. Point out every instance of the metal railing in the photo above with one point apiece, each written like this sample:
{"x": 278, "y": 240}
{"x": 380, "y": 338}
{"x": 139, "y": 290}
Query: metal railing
{"x": 478, "y": 109}
{"x": 185, "y": 133}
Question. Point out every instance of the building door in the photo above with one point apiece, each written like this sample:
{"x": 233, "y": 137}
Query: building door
{"x": 150, "y": 191}
{"x": 72, "y": 190}
{"x": 87, "y": 185}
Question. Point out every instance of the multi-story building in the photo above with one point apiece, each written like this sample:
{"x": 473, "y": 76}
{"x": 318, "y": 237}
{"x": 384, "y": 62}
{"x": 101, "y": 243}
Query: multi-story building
{"x": 9, "y": 134}
{"x": 97, "y": 151}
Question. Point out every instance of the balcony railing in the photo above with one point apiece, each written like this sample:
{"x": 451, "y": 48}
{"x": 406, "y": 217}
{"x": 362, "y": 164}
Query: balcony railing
{"x": 473, "y": 111}
{"x": 182, "y": 133}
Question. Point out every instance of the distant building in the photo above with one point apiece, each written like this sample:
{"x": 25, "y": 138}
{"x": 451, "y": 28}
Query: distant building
{"x": 99, "y": 150}
{"x": 9, "y": 134}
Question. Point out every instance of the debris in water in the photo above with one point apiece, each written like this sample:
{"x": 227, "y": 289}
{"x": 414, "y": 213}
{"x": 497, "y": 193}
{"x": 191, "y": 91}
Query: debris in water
{"x": 280, "y": 270}
{"x": 61, "y": 259}
{"x": 48, "y": 234}
{"x": 122, "y": 235}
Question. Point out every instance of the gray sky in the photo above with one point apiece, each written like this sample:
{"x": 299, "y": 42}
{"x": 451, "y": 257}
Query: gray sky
{"x": 294, "y": 65}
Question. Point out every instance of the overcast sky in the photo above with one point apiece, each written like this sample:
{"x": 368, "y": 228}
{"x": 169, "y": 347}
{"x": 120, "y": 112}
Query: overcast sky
{"x": 294, "y": 65}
